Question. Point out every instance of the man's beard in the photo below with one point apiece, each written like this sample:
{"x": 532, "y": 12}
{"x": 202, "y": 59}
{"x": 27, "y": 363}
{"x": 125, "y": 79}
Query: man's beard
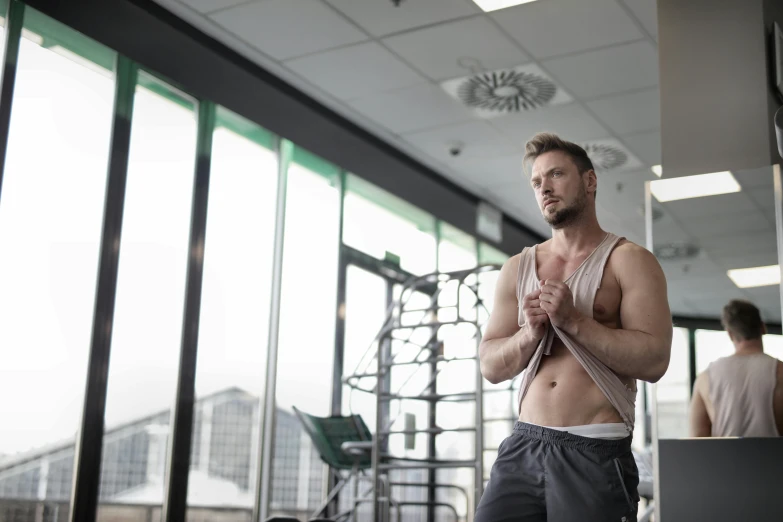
{"x": 569, "y": 215}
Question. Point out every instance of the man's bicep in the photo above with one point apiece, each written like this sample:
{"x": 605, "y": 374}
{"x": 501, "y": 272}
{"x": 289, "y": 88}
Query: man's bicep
{"x": 645, "y": 305}
{"x": 503, "y": 319}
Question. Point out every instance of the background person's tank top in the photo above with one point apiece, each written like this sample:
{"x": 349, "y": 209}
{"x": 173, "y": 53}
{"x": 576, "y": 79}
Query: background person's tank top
{"x": 584, "y": 283}
{"x": 741, "y": 392}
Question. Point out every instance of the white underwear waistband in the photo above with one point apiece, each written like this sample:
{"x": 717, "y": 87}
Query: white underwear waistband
{"x": 610, "y": 431}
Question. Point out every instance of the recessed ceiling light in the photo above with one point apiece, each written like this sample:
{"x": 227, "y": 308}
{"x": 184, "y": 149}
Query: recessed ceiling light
{"x": 697, "y": 186}
{"x": 657, "y": 170}
{"x": 494, "y": 5}
{"x": 757, "y": 276}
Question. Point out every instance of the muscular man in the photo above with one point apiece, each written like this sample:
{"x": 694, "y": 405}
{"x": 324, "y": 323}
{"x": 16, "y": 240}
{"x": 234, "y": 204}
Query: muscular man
{"x": 740, "y": 395}
{"x": 584, "y": 315}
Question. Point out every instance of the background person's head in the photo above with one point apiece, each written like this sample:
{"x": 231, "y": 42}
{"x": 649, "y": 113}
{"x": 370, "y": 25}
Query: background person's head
{"x": 742, "y": 321}
{"x": 562, "y": 177}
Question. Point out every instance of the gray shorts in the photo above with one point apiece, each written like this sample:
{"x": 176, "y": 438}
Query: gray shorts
{"x": 549, "y": 475}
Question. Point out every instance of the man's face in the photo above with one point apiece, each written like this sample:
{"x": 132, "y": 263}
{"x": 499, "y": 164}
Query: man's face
{"x": 560, "y": 189}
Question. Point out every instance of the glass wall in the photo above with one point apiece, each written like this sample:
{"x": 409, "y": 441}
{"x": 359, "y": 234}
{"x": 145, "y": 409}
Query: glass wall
{"x": 674, "y": 390}
{"x": 307, "y": 320}
{"x": 387, "y": 227}
{"x": 233, "y": 329}
{"x": 50, "y": 227}
{"x": 710, "y": 249}
{"x": 147, "y": 329}
{"x": 51, "y": 216}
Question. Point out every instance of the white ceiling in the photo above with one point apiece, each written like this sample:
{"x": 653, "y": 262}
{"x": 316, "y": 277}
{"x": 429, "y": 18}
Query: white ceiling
{"x": 382, "y": 67}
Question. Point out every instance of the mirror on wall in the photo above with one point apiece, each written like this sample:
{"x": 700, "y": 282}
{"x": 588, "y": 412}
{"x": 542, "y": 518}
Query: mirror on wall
{"x": 715, "y": 238}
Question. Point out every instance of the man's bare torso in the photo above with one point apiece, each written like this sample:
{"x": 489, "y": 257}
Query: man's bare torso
{"x": 562, "y": 393}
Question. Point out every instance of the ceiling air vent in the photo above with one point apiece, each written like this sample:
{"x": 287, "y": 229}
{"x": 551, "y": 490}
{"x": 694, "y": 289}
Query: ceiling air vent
{"x": 676, "y": 251}
{"x": 606, "y": 157}
{"x": 506, "y": 91}
{"x": 610, "y": 154}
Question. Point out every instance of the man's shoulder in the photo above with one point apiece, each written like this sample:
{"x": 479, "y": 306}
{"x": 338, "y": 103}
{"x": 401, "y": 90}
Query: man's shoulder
{"x": 629, "y": 253}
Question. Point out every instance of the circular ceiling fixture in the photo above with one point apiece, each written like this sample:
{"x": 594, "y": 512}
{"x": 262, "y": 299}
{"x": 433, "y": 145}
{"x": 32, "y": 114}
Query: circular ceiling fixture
{"x": 506, "y": 91}
{"x": 605, "y": 157}
{"x": 676, "y": 251}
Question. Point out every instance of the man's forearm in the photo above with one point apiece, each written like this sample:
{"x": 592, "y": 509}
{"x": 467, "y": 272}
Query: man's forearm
{"x": 627, "y": 352}
{"x": 505, "y": 358}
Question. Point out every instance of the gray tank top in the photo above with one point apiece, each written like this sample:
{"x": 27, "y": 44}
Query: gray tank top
{"x": 584, "y": 284}
{"x": 741, "y": 391}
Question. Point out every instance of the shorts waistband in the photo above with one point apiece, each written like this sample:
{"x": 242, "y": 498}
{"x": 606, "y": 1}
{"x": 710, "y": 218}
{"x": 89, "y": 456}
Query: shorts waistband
{"x": 569, "y": 440}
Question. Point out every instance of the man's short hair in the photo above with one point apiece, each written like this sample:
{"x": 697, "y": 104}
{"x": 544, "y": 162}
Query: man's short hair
{"x": 742, "y": 319}
{"x": 544, "y": 142}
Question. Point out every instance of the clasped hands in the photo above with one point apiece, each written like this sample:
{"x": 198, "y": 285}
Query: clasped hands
{"x": 552, "y": 303}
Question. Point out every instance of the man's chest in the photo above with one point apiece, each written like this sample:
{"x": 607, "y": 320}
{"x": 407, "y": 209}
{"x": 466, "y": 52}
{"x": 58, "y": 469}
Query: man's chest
{"x": 608, "y": 295}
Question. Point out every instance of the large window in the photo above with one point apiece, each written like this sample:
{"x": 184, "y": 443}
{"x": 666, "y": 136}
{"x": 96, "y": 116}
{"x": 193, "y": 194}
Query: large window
{"x": 387, "y": 227}
{"x": 307, "y": 319}
{"x": 50, "y": 227}
{"x": 456, "y": 250}
{"x": 711, "y": 345}
{"x": 674, "y": 392}
{"x": 233, "y": 335}
{"x": 150, "y": 294}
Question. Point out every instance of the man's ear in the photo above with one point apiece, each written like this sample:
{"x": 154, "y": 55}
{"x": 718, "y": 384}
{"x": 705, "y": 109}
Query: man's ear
{"x": 591, "y": 181}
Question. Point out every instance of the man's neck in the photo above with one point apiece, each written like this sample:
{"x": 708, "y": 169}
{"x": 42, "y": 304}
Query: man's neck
{"x": 749, "y": 347}
{"x": 575, "y": 239}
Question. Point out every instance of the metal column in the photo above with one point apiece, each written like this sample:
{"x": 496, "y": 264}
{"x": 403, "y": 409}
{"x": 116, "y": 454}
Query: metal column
{"x": 89, "y": 441}
{"x": 264, "y": 485}
{"x": 778, "y": 181}
{"x": 175, "y": 500}
{"x": 13, "y": 34}
{"x": 653, "y": 388}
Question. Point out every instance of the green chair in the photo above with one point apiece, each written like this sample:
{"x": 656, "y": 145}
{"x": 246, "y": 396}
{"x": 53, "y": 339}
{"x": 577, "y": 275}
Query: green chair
{"x": 344, "y": 444}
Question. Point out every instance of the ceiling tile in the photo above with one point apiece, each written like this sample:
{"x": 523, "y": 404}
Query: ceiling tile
{"x": 457, "y": 48}
{"x": 727, "y": 226}
{"x": 570, "y": 122}
{"x": 629, "y": 113}
{"x": 742, "y": 259}
{"x": 492, "y": 171}
{"x": 647, "y": 146}
{"x": 478, "y": 139}
{"x": 764, "y": 197}
{"x": 393, "y": 109}
{"x": 555, "y": 27}
{"x": 210, "y": 6}
{"x": 284, "y": 29}
{"x": 736, "y": 203}
{"x": 755, "y": 242}
{"x": 355, "y": 71}
{"x": 646, "y": 11}
{"x": 756, "y": 179}
{"x": 381, "y": 17}
{"x": 607, "y": 71}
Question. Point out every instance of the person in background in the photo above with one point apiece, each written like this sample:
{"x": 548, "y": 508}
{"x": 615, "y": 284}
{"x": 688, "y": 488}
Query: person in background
{"x": 740, "y": 395}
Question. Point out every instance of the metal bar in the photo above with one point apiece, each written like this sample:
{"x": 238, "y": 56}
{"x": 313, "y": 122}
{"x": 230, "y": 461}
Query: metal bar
{"x": 13, "y": 35}
{"x": 653, "y": 388}
{"x": 691, "y": 359}
{"x": 264, "y": 484}
{"x": 429, "y": 465}
{"x": 432, "y": 413}
{"x": 436, "y": 430}
{"x": 339, "y": 335}
{"x": 339, "y": 328}
{"x": 479, "y": 472}
{"x": 89, "y": 441}
{"x": 778, "y": 183}
{"x": 175, "y": 500}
